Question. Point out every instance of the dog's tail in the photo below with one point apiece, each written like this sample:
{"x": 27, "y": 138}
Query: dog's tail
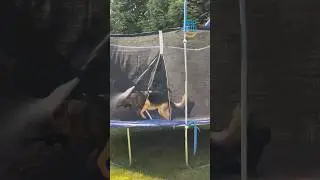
{"x": 181, "y": 103}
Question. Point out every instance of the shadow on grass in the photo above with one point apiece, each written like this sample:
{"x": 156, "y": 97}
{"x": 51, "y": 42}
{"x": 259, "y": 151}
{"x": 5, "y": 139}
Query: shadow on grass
{"x": 159, "y": 152}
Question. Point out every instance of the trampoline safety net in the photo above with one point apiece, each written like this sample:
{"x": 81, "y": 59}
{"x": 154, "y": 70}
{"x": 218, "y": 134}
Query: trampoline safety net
{"x": 131, "y": 56}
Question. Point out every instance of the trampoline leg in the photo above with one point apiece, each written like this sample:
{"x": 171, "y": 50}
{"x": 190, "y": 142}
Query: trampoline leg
{"x": 186, "y": 145}
{"x": 129, "y": 146}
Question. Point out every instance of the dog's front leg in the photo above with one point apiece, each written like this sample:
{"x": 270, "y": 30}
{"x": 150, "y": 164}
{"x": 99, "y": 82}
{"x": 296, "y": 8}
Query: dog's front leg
{"x": 141, "y": 113}
{"x": 144, "y": 109}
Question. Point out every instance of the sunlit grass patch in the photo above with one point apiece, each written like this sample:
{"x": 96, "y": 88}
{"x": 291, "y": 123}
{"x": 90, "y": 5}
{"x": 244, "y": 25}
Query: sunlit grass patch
{"x": 117, "y": 173}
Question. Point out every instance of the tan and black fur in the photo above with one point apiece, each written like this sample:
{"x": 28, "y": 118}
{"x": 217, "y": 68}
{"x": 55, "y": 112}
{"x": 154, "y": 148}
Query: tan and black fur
{"x": 155, "y": 101}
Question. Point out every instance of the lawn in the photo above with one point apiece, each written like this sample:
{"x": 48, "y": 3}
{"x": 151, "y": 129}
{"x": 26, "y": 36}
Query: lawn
{"x": 158, "y": 153}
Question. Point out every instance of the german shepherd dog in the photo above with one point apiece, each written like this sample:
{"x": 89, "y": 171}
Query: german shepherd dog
{"x": 154, "y": 101}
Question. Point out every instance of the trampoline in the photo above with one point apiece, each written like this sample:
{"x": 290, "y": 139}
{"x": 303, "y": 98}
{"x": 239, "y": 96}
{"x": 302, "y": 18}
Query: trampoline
{"x": 157, "y": 123}
{"x": 159, "y": 62}
{"x": 133, "y": 66}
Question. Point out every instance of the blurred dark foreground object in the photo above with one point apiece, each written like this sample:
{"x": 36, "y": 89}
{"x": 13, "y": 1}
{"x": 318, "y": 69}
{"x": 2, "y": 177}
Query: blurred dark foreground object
{"x": 80, "y": 128}
{"x": 226, "y": 152}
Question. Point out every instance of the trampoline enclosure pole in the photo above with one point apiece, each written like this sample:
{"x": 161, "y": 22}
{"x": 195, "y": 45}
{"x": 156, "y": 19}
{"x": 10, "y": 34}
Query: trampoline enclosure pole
{"x": 161, "y": 42}
{"x": 129, "y": 146}
{"x": 186, "y": 84}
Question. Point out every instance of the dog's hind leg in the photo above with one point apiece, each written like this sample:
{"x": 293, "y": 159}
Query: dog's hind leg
{"x": 166, "y": 114}
{"x": 164, "y": 111}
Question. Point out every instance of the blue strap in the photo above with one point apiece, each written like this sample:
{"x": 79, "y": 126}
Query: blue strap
{"x": 195, "y": 135}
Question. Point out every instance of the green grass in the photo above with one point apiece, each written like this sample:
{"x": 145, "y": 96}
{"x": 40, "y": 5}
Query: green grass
{"x": 118, "y": 173}
{"x": 158, "y": 153}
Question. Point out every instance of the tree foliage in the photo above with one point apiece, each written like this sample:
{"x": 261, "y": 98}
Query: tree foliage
{"x": 134, "y": 16}
{"x": 126, "y": 15}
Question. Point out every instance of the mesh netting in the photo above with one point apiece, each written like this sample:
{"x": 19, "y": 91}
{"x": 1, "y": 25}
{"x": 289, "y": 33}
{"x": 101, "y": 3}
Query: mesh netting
{"x": 131, "y": 56}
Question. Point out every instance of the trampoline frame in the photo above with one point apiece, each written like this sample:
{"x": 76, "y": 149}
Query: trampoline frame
{"x": 174, "y": 123}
